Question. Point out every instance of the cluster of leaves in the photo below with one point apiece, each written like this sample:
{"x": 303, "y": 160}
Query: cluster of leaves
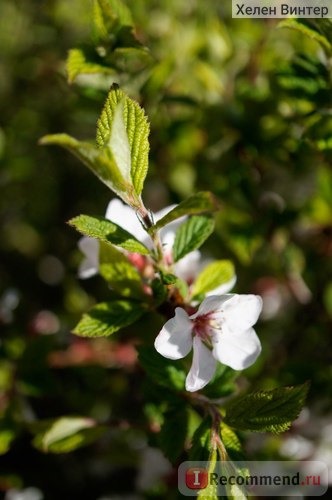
{"x": 121, "y": 162}
{"x": 209, "y": 77}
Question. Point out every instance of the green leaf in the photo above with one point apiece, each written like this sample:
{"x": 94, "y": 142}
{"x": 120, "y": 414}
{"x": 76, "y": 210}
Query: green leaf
{"x": 119, "y": 272}
{"x": 201, "y": 442}
{"x": 120, "y": 108}
{"x": 213, "y": 275}
{"x": 108, "y": 317}
{"x": 173, "y": 432}
{"x": 101, "y": 163}
{"x": 267, "y": 411}
{"x": 107, "y": 14}
{"x": 307, "y": 31}
{"x": 162, "y": 371}
{"x": 77, "y": 64}
{"x": 109, "y": 232}
{"x": 231, "y": 442}
{"x": 67, "y": 434}
{"x": 210, "y": 492}
{"x": 7, "y": 436}
{"x": 191, "y": 235}
{"x": 168, "y": 278}
{"x": 196, "y": 204}
{"x": 159, "y": 291}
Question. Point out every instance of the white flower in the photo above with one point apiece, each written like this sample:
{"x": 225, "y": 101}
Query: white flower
{"x": 122, "y": 215}
{"x": 221, "y": 330}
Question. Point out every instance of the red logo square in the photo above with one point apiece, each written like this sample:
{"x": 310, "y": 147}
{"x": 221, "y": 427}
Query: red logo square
{"x": 196, "y": 478}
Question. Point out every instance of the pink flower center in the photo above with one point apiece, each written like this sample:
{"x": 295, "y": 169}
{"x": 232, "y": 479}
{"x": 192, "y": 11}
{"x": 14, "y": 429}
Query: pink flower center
{"x": 204, "y": 326}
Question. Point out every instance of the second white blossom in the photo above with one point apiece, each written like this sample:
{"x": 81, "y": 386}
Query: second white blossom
{"x": 221, "y": 330}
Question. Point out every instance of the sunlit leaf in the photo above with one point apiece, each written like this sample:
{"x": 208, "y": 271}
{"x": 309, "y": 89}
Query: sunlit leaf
{"x": 109, "y": 232}
{"x": 77, "y": 64}
{"x": 101, "y": 163}
{"x": 119, "y": 272}
{"x": 213, "y": 275}
{"x": 191, "y": 235}
{"x": 199, "y": 203}
{"x": 108, "y": 317}
{"x": 267, "y": 411}
{"x": 119, "y": 108}
{"x": 67, "y": 434}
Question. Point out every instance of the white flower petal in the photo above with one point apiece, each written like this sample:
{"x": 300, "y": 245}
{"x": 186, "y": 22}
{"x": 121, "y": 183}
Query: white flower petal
{"x": 175, "y": 339}
{"x": 125, "y": 216}
{"x": 224, "y": 288}
{"x": 167, "y": 233}
{"x": 202, "y": 368}
{"x": 187, "y": 267}
{"x": 161, "y": 213}
{"x": 90, "y": 249}
{"x": 236, "y": 350}
{"x": 211, "y": 304}
{"x": 242, "y": 311}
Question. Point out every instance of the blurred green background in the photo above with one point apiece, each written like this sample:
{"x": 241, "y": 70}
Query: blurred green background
{"x": 238, "y": 107}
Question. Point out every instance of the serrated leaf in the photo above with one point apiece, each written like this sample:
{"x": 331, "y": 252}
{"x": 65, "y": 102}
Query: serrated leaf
{"x": 191, "y": 235}
{"x": 119, "y": 272}
{"x": 173, "y": 432}
{"x": 162, "y": 371}
{"x": 101, "y": 163}
{"x": 77, "y": 64}
{"x": 137, "y": 129}
{"x": 67, "y": 434}
{"x": 307, "y": 31}
{"x": 118, "y": 142}
{"x": 109, "y": 232}
{"x": 213, "y": 275}
{"x": 231, "y": 442}
{"x": 199, "y": 203}
{"x": 267, "y": 411}
{"x": 108, "y": 317}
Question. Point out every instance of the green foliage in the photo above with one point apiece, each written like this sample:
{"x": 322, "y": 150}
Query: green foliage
{"x": 307, "y": 30}
{"x": 108, "y": 317}
{"x": 123, "y": 128}
{"x": 231, "y": 442}
{"x": 201, "y": 442}
{"x": 213, "y": 275}
{"x": 267, "y": 411}
{"x": 210, "y": 492}
{"x": 119, "y": 272}
{"x": 173, "y": 432}
{"x": 7, "y": 436}
{"x": 115, "y": 47}
{"x": 196, "y": 204}
{"x": 66, "y": 434}
{"x": 109, "y": 232}
{"x": 239, "y": 108}
{"x": 101, "y": 163}
{"x": 191, "y": 235}
{"x": 109, "y": 15}
{"x": 77, "y": 64}
{"x": 160, "y": 370}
